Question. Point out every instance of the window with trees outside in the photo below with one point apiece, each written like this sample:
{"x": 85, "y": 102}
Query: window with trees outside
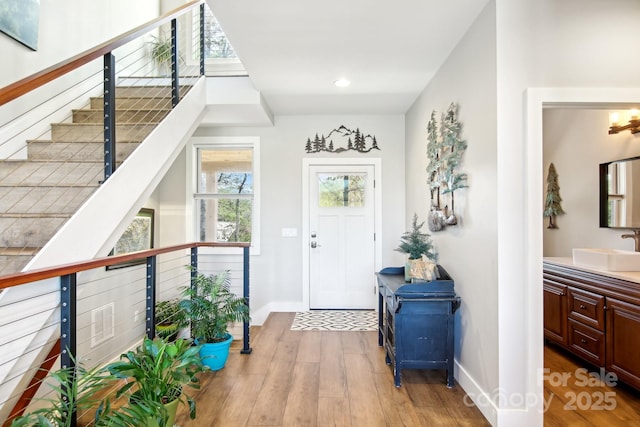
{"x": 225, "y": 194}
{"x": 220, "y": 57}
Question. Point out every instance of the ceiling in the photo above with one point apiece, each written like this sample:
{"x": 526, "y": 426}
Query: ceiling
{"x": 294, "y": 50}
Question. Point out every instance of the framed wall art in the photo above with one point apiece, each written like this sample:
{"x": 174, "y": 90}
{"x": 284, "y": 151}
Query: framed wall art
{"x": 137, "y": 237}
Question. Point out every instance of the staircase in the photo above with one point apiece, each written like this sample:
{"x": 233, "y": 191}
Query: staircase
{"x": 38, "y": 195}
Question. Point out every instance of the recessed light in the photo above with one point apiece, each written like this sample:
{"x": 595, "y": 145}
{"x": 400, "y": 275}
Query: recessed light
{"x": 342, "y": 82}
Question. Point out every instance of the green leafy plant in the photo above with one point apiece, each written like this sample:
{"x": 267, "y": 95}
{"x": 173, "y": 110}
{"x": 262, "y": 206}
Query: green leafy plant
{"x": 77, "y": 390}
{"x": 210, "y": 306}
{"x": 159, "y": 370}
{"x": 415, "y": 243}
{"x": 161, "y": 51}
{"x": 167, "y": 316}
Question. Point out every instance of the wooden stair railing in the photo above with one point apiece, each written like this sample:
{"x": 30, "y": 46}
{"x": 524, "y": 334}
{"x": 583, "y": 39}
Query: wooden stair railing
{"x": 29, "y": 83}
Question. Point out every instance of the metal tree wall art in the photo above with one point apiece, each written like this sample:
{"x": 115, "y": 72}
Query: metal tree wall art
{"x": 552, "y": 205}
{"x": 355, "y": 140}
{"x": 444, "y": 151}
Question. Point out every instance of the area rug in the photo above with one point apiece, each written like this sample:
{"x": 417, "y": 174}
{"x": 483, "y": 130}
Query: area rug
{"x": 335, "y": 320}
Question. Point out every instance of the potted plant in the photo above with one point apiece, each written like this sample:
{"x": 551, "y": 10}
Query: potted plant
{"x": 209, "y": 307}
{"x": 417, "y": 245}
{"x": 80, "y": 391}
{"x": 161, "y": 51}
{"x": 157, "y": 372}
{"x": 167, "y": 315}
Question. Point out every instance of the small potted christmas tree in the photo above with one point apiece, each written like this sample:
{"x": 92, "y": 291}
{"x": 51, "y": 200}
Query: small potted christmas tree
{"x": 417, "y": 245}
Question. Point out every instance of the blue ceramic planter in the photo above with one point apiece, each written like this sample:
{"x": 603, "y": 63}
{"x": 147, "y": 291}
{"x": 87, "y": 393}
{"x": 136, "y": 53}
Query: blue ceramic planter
{"x": 214, "y": 355}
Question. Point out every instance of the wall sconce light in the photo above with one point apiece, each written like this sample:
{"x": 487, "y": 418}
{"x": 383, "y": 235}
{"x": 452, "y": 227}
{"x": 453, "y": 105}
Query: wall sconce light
{"x": 633, "y": 125}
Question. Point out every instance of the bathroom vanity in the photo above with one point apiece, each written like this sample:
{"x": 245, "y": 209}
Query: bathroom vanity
{"x": 595, "y": 315}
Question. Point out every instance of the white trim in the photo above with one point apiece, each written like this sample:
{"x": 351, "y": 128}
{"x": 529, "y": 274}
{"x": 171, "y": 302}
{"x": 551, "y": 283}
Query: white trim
{"x": 474, "y": 391}
{"x": 376, "y": 162}
{"x": 226, "y": 142}
{"x": 536, "y": 100}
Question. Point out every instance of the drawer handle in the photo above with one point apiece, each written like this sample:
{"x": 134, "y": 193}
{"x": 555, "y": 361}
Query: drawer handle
{"x": 583, "y": 341}
{"x": 583, "y": 307}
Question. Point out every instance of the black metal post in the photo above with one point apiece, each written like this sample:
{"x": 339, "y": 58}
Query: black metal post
{"x": 68, "y": 290}
{"x": 194, "y": 272}
{"x": 150, "y": 309}
{"x": 175, "y": 86}
{"x": 202, "y": 39}
{"x": 194, "y": 262}
{"x": 246, "y": 348}
{"x": 109, "y": 101}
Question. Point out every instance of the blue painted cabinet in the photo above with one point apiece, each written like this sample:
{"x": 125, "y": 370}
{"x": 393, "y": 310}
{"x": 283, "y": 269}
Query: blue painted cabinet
{"x": 416, "y": 323}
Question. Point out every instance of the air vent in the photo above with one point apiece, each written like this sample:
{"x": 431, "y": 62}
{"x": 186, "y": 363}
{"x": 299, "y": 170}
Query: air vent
{"x": 102, "y": 324}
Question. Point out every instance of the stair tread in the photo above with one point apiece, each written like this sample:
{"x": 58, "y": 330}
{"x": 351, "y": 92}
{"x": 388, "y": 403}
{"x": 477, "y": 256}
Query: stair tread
{"x": 9, "y": 251}
{"x": 101, "y": 125}
{"x": 49, "y": 174}
{"x": 50, "y": 141}
{"x": 35, "y": 215}
{"x": 99, "y": 110}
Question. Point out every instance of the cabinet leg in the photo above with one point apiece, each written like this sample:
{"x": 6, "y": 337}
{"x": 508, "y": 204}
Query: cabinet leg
{"x": 450, "y": 381}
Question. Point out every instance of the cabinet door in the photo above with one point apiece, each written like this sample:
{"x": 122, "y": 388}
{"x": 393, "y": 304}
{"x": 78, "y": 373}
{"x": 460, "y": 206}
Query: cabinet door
{"x": 555, "y": 312}
{"x": 623, "y": 330}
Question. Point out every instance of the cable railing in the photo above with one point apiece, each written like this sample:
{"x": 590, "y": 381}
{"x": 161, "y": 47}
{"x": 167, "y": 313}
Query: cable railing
{"x": 93, "y": 314}
{"x": 64, "y": 130}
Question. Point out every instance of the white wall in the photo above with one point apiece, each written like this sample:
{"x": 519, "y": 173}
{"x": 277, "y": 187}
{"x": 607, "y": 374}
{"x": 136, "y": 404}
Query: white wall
{"x": 277, "y": 271}
{"x": 576, "y": 141}
{"x": 541, "y": 44}
{"x": 468, "y": 251}
{"x": 69, "y": 28}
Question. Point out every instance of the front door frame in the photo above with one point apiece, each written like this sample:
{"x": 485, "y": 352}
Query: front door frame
{"x": 376, "y": 162}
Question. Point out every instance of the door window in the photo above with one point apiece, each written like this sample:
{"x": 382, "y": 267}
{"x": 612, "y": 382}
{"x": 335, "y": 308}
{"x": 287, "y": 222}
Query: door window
{"x": 336, "y": 190}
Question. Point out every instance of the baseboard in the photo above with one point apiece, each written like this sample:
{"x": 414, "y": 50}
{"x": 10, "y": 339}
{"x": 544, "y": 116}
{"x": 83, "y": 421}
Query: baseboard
{"x": 474, "y": 392}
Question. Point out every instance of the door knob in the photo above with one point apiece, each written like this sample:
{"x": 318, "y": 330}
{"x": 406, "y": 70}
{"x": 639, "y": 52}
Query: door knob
{"x": 314, "y": 244}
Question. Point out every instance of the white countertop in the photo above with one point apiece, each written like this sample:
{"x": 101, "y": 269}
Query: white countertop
{"x": 632, "y": 276}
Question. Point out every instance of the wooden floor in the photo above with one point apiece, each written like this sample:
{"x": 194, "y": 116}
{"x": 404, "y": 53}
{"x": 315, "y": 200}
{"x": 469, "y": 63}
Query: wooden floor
{"x": 320, "y": 378}
{"x": 579, "y": 402}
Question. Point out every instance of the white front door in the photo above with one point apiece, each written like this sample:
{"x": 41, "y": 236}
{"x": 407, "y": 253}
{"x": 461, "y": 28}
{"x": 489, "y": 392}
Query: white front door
{"x": 341, "y": 237}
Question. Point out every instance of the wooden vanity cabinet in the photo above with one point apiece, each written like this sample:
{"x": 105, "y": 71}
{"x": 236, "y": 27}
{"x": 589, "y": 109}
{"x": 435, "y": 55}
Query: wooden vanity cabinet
{"x": 594, "y": 316}
{"x": 623, "y": 332}
{"x": 585, "y": 325}
{"x": 555, "y": 312}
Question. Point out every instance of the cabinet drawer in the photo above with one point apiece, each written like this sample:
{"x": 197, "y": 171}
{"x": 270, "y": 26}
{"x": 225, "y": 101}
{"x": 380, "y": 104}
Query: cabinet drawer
{"x": 586, "y": 307}
{"x": 586, "y": 342}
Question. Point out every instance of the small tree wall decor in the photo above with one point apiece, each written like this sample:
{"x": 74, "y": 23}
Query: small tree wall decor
{"x": 445, "y": 153}
{"x": 552, "y": 205}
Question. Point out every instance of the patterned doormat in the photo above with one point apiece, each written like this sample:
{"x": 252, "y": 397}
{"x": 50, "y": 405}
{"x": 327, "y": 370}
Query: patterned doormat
{"x": 335, "y": 320}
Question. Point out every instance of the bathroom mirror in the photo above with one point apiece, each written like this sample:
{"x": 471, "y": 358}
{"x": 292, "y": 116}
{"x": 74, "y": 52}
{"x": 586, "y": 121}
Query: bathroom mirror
{"x": 620, "y": 193}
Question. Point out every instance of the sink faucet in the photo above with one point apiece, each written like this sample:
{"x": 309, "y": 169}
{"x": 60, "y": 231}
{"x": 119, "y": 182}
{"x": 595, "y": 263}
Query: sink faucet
{"x": 636, "y": 237}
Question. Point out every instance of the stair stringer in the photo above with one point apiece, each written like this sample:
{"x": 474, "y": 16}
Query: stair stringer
{"x": 103, "y": 220}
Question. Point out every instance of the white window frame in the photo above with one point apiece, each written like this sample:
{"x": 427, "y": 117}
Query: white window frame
{"x": 235, "y": 143}
{"x": 213, "y": 66}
